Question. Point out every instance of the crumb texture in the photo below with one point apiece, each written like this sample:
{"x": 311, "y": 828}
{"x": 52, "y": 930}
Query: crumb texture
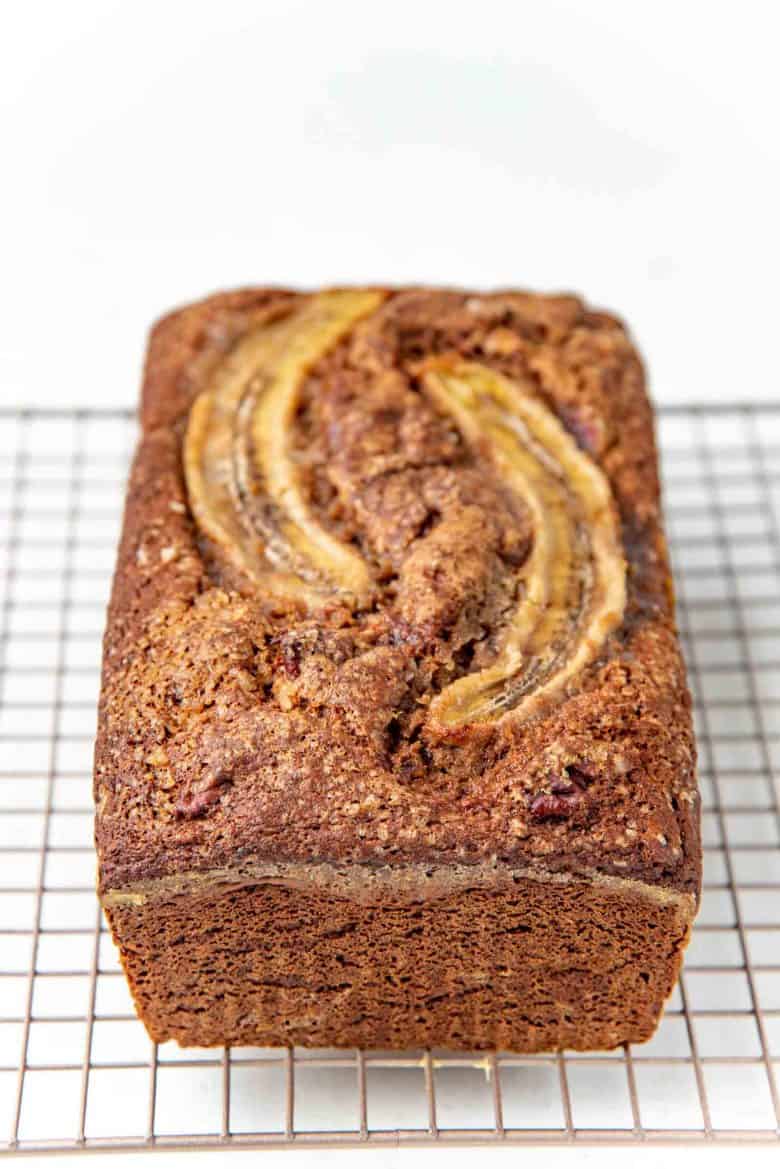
{"x": 537, "y": 968}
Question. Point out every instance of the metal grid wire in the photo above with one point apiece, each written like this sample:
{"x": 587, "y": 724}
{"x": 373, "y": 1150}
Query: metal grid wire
{"x": 76, "y": 1068}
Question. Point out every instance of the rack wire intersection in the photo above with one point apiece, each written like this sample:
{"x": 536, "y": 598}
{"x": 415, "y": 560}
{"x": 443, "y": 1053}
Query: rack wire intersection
{"x": 76, "y": 1068}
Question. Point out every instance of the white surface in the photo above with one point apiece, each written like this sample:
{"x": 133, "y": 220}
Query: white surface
{"x": 451, "y": 1158}
{"x": 153, "y": 152}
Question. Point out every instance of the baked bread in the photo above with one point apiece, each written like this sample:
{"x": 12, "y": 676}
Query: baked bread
{"x": 395, "y": 744}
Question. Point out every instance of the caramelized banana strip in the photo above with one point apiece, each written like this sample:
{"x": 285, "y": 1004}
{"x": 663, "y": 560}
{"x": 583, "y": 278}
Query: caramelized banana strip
{"x": 272, "y": 410}
{"x": 573, "y": 582}
{"x": 241, "y": 424}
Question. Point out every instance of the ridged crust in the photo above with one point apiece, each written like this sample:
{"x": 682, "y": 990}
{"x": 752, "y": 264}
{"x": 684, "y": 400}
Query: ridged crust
{"x": 303, "y": 788}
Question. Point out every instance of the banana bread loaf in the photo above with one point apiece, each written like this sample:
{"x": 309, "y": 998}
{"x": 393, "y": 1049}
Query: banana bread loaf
{"x": 395, "y": 744}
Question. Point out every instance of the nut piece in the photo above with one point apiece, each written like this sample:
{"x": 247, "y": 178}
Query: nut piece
{"x": 551, "y": 807}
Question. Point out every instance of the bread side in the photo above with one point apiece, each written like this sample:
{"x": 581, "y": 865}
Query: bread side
{"x": 527, "y": 965}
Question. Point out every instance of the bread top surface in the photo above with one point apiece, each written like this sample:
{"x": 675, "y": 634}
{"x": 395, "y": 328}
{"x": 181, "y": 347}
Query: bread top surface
{"x": 321, "y": 697}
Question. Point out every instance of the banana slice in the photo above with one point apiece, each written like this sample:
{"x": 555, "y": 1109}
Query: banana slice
{"x": 572, "y": 585}
{"x": 244, "y": 487}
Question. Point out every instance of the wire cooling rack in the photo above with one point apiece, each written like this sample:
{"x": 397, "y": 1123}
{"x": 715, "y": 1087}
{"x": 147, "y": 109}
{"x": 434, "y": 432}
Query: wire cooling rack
{"x": 76, "y": 1067}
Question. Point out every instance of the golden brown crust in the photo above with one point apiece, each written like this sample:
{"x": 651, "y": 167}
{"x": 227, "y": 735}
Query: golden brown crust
{"x": 228, "y": 731}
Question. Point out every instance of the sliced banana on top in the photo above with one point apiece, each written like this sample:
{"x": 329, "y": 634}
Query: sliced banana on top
{"x": 247, "y": 497}
{"x": 244, "y": 486}
{"x": 572, "y": 586}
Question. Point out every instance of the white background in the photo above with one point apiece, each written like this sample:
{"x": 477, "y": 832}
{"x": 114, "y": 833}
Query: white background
{"x": 154, "y": 151}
